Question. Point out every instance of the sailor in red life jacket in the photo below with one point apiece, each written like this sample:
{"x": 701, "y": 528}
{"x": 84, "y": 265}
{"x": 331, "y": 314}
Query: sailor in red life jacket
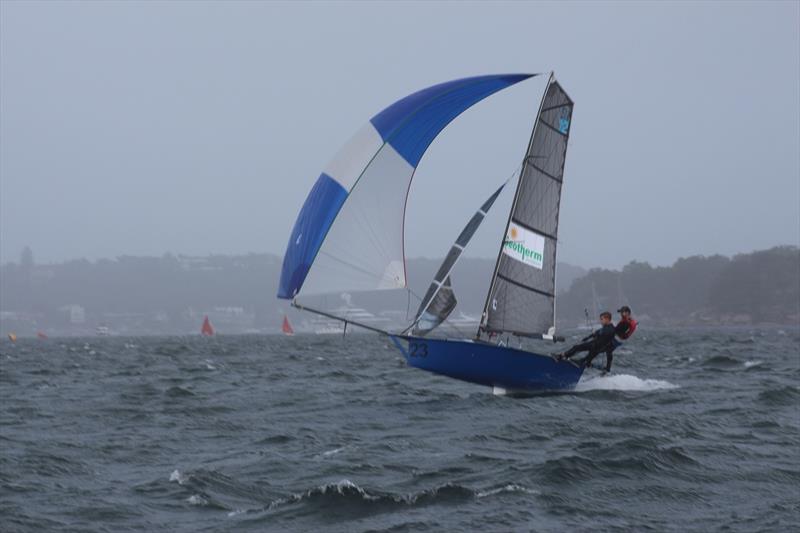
{"x": 622, "y": 331}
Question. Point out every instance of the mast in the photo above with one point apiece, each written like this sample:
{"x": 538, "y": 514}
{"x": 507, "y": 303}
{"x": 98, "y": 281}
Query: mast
{"x": 521, "y": 297}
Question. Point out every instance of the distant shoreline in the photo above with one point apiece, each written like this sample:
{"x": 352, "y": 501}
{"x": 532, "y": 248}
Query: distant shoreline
{"x": 162, "y": 295}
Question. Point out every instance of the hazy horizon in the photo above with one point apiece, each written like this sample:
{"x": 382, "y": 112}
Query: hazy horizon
{"x": 195, "y": 128}
{"x": 409, "y": 258}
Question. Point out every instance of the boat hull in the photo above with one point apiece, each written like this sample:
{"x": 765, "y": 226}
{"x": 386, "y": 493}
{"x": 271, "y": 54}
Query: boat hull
{"x": 489, "y": 364}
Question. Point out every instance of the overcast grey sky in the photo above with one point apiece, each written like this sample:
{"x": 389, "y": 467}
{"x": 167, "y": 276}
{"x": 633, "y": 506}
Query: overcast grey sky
{"x": 197, "y": 127}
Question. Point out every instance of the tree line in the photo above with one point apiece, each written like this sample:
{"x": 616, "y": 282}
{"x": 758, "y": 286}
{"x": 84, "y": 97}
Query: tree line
{"x": 758, "y": 287}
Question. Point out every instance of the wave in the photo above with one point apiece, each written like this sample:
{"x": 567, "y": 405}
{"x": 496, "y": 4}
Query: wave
{"x": 786, "y": 395}
{"x": 346, "y": 497}
{"x": 512, "y": 487}
{"x": 329, "y": 453}
{"x": 177, "y": 477}
{"x": 346, "y": 491}
{"x": 567, "y": 469}
{"x": 722, "y": 361}
{"x": 196, "y": 499}
{"x": 622, "y": 382}
{"x": 618, "y": 460}
{"x": 177, "y": 392}
{"x": 52, "y": 465}
{"x": 170, "y": 350}
{"x": 276, "y": 439}
{"x": 209, "y": 489}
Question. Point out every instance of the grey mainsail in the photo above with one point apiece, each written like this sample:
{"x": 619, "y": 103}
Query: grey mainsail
{"x": 521, "y": 297}
{"x": 440, "y": 300}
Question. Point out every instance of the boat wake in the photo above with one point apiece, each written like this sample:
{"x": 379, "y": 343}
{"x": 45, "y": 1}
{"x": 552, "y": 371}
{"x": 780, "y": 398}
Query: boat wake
{"x": 622, "y": 382}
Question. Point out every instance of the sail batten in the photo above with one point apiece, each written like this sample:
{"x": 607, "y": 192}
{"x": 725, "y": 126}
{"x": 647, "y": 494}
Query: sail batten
{"x": 521, "y": 298}
{"x": 540, "y": 232}
{"x": 559, "y": 179}
{"x": 548, "y": 125}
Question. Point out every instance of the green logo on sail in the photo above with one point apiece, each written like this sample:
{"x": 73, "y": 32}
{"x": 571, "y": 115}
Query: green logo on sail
{"x": 524, "y": 246}
{"x": 526, "y": 253}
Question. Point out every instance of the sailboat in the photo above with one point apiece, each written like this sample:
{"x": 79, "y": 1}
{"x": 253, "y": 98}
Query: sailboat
{"x": 349, "y": 236}
{"x": 286, "y": 327}
{"x": 591, "y": 323}
{"x": 207, "y": 329}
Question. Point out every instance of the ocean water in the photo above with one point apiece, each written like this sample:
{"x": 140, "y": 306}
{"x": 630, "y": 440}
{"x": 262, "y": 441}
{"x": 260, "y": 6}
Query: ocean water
{"x": 696, "y": 430}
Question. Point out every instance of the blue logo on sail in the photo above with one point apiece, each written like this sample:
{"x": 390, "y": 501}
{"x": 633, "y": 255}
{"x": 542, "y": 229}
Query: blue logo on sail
{"x": 563, "y": 125}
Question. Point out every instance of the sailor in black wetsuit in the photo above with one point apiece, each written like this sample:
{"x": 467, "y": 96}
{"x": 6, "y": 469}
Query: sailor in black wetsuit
{"x": 623, "y": 331}
{"x": 594, "y": 343}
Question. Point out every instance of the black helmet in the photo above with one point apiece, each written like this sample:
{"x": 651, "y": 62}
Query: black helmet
{"x": 623, "y": 309}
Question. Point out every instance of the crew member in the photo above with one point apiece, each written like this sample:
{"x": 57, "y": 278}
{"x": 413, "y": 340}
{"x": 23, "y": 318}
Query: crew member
{"x": 594, "y": 343}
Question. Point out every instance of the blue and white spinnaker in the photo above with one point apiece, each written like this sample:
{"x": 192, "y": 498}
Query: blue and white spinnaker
{"x": 349, "y": 233}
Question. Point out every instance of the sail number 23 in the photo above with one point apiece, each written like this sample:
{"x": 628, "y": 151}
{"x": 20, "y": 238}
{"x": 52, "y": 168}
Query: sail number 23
{"x": 417, "y": 349}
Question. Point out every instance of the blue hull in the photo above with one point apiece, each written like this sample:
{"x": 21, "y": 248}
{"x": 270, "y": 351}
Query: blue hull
{"x": 488, "y": 364}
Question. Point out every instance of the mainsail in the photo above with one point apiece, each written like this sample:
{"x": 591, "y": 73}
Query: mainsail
{"x": 440, "y": 300}
{"x": 521, "y": 297}
{"x": 349, "y": 233}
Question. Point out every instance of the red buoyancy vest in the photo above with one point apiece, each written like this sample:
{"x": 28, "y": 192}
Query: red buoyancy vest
{"x": 631, "y": 328}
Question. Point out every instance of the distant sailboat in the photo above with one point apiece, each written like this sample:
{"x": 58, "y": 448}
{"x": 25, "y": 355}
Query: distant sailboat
{"x": 587, "y": 322}
{"x": 286, "y": 327}
{"x": 12, "y": 337}
{"x": 41, "y": 334}
{"x": 591, "y": 323}
{"x": 349, "y": 236}
{"x": 207, "y": 329}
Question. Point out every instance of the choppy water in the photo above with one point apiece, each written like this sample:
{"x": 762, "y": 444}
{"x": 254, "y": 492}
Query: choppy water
{"x": 697, "y": 430}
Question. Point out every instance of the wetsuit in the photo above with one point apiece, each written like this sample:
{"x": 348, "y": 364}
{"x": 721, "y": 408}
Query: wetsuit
{"x": 594, "y": 344}
{"x": 624, "y": 329}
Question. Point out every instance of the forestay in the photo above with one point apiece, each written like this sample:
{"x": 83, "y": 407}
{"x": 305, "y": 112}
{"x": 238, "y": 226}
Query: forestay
{"x": 521, "y": 297}
{"x": 349, "y": 233}
{"x": 440, "y": 300}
